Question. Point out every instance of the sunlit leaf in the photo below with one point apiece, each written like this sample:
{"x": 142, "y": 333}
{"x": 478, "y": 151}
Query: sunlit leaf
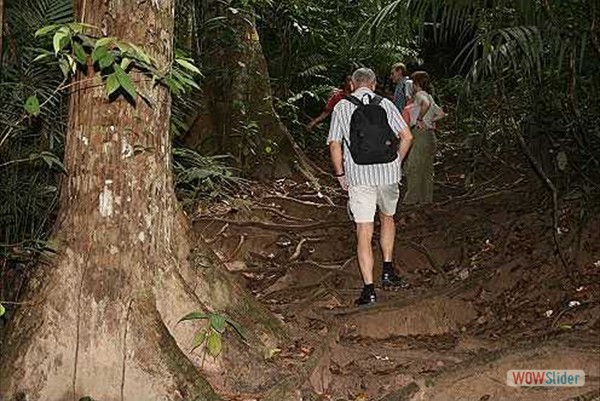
{"x": 32, "y": 105}
{"x": 214, "y": 343}
{"x": 106, "y": 61}
{"x": 78, "y": 27}
{"x": 80, "y": 53}
{"x": 218, "y": 323}
{"x": 40, "y": 57}
{"x": 60, "y": 39}
{"x": 187, "y": 65}
{"x": 112, "y": 84}
{"x": 98, "y": 53}
{"x": 125, "y": 63}
{"x": 199, "y": 339}
{"x": 194, "y": 316}
{"x": 45, "y": 30}
{"x": 104, "y": 42}
{"x": 125, "y": 81}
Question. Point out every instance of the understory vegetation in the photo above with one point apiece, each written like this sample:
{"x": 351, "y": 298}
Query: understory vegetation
{"x": 520, "y": 80}
{"x": 523, "y": 76}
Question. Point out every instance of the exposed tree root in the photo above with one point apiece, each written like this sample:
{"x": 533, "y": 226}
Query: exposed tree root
{"x": 288, "y": 389}
{"x": 282, "y": 227}
{"x": 130, "y": 356}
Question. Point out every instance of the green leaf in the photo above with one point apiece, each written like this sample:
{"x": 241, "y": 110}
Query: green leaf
{"x": 187, "y": 65}
{"x": 125, "y": 63}
{"x": 141, "y": 54}
{"x": 65, "y": 67}
{"x": 218, "y": 323}
{"x": 80, "y": 53}
{"x": 98, "y": 53}
{"x": 112, "y": 84}
{"x": 40, "y": 57}
{"x": 2, "y": 310}
{"x": 125, "y": 81}
{"x": 104, "y": 42}
{"x": 32, "y": 105}
{"x": 106, "y": 61}
{"x": 184, "y": 79}
{"x": 72, "y": 63}
{"x": 60, "y": 40}
{"x": 214, "y": 343}
{"x": 45, "y": 30}
{"x": 174, "y": 86}
{"x": 52, "y": 160}
{"x": 79, "y": 26}
{"x": 194, "y": 316}
{"x": 199, "y": 339}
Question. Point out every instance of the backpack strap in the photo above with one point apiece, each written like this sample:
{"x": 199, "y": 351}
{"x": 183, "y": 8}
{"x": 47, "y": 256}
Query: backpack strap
{"x": 376, "y": 100}
{"x": 353, "y": 100}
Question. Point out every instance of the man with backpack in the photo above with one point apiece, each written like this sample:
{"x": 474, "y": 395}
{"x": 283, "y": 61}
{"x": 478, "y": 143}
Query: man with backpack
{"x": 368, "y": 139}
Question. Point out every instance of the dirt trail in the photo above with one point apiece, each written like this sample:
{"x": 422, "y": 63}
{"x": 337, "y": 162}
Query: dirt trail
{"x": 487, "y": 293}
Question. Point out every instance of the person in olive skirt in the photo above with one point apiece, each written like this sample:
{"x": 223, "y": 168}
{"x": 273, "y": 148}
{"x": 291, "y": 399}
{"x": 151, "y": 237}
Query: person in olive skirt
{"x": 419, "y": 163}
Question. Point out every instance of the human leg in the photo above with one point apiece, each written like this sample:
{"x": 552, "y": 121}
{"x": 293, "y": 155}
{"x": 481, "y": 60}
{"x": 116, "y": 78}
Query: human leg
{"x": 364, "y": 234}
{"x": 387, "y": 200}
{"x": 362, "y": 204}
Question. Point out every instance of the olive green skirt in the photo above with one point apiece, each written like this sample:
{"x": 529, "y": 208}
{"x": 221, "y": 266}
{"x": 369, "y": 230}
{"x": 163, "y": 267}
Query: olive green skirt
{"x": 418, "y": 168}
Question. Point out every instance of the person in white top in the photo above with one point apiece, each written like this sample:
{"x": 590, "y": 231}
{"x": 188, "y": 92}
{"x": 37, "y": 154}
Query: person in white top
{"x": 371, "y": 179}
{"x": 419, "y": 164}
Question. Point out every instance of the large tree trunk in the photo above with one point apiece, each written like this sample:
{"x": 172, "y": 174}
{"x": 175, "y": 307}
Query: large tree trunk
{"x": 100, "y": 319}
{"x": 237, "y": 115}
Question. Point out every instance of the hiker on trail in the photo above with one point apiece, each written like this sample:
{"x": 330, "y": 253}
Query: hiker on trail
{"x": 419, "y": 164}
{"x": 337, "y": 95}
{"x": 403, "y": 90}
{"x": 368, "y": 140}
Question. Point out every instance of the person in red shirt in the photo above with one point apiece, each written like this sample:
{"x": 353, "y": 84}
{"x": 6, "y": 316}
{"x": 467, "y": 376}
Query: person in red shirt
{"x": 337, "y": 95}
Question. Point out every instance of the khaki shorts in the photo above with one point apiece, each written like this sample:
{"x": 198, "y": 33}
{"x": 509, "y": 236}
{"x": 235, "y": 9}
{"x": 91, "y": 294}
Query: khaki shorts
{"x": 365, "y": 199}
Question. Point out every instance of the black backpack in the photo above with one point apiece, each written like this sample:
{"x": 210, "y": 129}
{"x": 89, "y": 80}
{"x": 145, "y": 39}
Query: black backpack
{"x": 372, "y": 140}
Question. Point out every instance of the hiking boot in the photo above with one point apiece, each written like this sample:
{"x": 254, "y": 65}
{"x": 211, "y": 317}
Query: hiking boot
{"x": 392, "y": 281}
{"x": 366, "y": 298}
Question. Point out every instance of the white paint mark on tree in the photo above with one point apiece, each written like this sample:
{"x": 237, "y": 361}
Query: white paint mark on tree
{"x": 106, "y": 200}
{"x": 126, "y": 149}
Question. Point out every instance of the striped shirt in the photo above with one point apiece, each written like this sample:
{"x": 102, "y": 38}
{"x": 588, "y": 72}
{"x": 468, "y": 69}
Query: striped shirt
{"x": 370, "y": 174}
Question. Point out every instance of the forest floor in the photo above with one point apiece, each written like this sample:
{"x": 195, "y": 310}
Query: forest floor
{"x": 488, "y": 291}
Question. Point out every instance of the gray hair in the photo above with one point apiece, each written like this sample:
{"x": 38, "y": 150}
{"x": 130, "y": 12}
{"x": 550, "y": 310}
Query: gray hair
{"x": 364, "y": 76}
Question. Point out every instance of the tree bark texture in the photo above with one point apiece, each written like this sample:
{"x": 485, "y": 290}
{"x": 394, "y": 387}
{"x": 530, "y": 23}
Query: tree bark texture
{"x": 237, "y": 115}
{"x": 101, "y": 317}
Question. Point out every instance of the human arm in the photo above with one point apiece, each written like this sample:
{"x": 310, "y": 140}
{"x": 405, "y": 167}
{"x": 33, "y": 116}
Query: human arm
{"x": 439, "y": 116}
{"x": 423, "y": 102}
{"x": 318, "y": 120}
{"x": 406, "y": 139}
{"x": 336, "y": 151}
{"x": 409, "y": 88}
{"x": 337, "y": 158}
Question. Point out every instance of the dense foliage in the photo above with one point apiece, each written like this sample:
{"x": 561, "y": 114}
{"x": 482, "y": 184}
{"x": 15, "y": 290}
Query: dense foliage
{"x": 525, "y": 76}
